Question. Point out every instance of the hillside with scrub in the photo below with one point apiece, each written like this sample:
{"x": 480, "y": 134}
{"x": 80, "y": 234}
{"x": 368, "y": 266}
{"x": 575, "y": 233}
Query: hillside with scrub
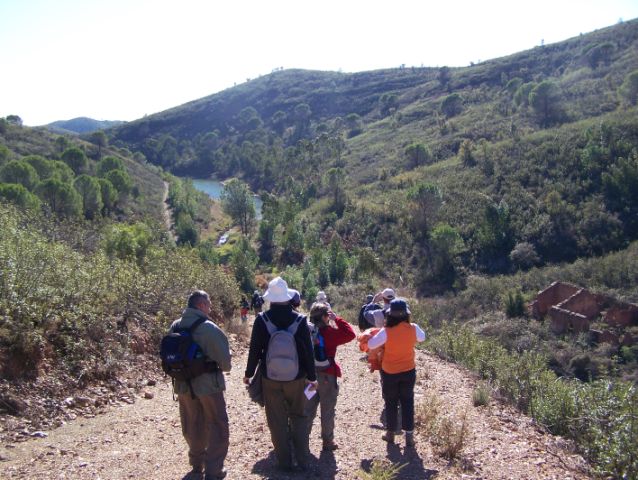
{"x": 468, "y": 190}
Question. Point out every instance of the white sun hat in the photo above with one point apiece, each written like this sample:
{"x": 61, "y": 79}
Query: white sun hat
{"x": 278, "y": 291}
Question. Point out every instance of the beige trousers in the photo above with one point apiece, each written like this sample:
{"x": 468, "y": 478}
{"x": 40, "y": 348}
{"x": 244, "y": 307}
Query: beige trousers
{"x": 205, "y": 428}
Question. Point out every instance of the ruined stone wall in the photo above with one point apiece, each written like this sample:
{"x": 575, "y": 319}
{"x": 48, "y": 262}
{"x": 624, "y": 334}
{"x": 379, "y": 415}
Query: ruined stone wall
{"x": 622, "y": 315}
{"x": 564, "y": 321}
{"x": 583, "y": 302}
{"x": 552, "y": 295}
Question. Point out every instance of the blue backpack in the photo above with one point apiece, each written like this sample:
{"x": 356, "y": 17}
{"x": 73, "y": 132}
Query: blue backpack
{"x": 182, "y": 358}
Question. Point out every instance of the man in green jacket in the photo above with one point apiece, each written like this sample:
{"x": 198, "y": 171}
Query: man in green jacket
{"x": 202, "y": 411}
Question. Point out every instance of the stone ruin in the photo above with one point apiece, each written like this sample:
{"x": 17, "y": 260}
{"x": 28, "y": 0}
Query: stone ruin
{"x": 572, "y": 309}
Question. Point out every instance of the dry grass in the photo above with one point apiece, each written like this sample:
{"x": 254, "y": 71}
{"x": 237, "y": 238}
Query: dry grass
{"x": 481, "y": 395}
{"x": 381, "y": 470}
{"x": 451, "y": 436}
{"x": 235, "y": 326}
{"x": 426, "y": 414}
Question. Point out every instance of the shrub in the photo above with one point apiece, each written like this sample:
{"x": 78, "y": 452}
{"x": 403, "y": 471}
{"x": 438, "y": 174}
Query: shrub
{"x": 381, "y": 470}
{"x": 481, "y": 396}
{"x": 451, "y": 437}
{"x": 19, "y": 172}
{"x": 600, "y": 416}
{"x": 84, "y": 308}
{"x": 514, "y": 304}
{"x": 19, "y": 196}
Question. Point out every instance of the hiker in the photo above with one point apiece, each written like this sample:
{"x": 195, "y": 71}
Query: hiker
{"x": 363, "y": 324}
{"x": 295, "y": 301}
{"x": 256, "y": 303}
{"x": 329, "y": 331}
{"x": 289, "y": 367}
{"x": 398, "y": 368}
{"x": 202, "y": 408}
{"x": 374, "y": 356}
{"x": 243, "y": 309}
{"x": 387, "y": 295}
{"x": 322, "y": 297}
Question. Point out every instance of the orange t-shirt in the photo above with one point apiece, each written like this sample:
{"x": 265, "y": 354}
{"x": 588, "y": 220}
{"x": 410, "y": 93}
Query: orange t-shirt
{"x": 399, "y": 348}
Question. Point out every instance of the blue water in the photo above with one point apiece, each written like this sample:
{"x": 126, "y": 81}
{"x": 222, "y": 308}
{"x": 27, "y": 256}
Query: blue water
{"x": 214, "y": 190}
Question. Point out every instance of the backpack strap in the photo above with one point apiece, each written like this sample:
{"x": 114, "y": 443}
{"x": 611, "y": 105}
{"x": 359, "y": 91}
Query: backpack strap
{"x": 213, "y": 365}
{"x": 196, "y": 324}
{"x": 271, "y": 327}
{"x": 192, "y": 328}
{"x": 292, "y": 328}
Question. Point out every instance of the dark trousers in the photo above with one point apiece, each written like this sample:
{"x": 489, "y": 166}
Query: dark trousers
{"x": 398, "y": 388}
{"x": 284, "y": 403}
{"x": 205, "y": 428}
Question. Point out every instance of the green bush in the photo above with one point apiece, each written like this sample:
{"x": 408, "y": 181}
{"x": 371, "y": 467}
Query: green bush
{"x": 84, "y": 308}
{"x": 600, "y": 416}
{"x": 514, "y": 304}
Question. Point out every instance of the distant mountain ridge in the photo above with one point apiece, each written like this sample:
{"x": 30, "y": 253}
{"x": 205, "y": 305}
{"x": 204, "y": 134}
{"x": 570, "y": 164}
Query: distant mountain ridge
{"x": 81, "y": 125}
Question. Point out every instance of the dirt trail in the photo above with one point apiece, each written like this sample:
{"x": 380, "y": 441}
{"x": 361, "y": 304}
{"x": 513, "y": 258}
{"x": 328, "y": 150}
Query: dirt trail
{"x": 166, "y": 213}
{"x": 143, "y": 440}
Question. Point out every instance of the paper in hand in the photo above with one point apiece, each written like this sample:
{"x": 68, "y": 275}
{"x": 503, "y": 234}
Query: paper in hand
{"x": 310, "y": 392}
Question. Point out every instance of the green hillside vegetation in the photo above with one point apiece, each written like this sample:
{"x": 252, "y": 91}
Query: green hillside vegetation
{"x": 80, "y": 125}
{"x": 89, "y": 278}
{"x": 467, "y": 189}
{"x": 534, "y": 151}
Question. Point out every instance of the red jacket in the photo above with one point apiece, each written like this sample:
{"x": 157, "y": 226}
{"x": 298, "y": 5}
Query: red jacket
{"x": 333, "y": 337}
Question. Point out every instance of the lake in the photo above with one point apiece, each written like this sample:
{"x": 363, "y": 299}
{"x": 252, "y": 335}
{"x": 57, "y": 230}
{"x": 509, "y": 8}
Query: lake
{"x": 214, "y": 190}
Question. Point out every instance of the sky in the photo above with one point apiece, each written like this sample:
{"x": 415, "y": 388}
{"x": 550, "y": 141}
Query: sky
{"x": 123, "y": 59}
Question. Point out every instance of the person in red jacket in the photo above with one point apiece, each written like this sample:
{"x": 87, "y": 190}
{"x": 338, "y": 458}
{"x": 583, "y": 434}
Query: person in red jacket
{"x": 328, "y": 332}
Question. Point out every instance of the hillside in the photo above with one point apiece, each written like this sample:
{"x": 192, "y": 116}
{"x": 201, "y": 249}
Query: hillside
{"x": 524, "y": 151}
{"x": 80, "y": 125}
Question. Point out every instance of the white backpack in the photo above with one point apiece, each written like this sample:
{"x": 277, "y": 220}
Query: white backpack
{"x": 282, "y": 359}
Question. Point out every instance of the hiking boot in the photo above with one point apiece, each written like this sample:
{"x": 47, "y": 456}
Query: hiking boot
{"x": 409, "y": 439}
{"x": 197, "y": 473}
{"x": 216, "y": 476}
{"x": 388, "y": 436}
{"x": 330, "y": 445}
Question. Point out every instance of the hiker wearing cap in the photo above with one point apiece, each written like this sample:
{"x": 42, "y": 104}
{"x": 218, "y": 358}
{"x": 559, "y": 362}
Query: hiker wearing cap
{"x": 387, "y": 295}
{"x": 398, "y": 367}
{"x": 329, "y": 331}
{"x": 280, "y": 341}
{"x": 295, "y": 301}
{"x": 202, "y": 408}
{"x": 322, "y": 297}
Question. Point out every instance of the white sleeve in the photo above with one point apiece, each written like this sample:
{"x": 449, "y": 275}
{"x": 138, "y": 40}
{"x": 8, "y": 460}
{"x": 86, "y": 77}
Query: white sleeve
{"x": 420, "y": 334}
{"x": 378, "y": 340}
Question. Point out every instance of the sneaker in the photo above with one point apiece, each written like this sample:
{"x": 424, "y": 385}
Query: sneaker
{"x": 330, "y": 446}
{"x": 388, "y": 437}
